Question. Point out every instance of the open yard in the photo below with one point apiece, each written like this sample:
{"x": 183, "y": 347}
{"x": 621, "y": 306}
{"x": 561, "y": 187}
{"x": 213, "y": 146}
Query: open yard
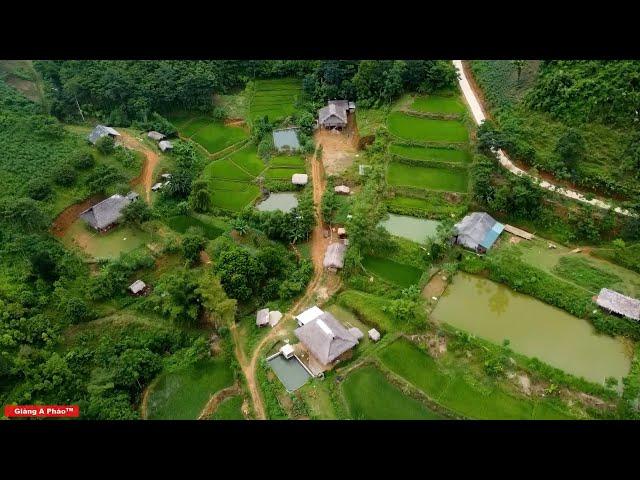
{"x": 450, "y": 155}
{"x": 450, "y": 104}
{"x": 370, "y": 396}
{"x": 121, "y": 239}
{"x": 456, "y": 390}
{"x": 397, "y": 273}
{"x": 275, "y": 98}
{"x": 369, "y": 309}
{"x": 426, "y": 129}
{"x": 430, "y": 178}
{"x": 181, "y": 395}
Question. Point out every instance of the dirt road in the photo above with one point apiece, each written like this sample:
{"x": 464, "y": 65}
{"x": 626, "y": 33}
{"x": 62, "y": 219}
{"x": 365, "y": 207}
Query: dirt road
{"x": 478, "y": 114}
{"x": 318, "y": 247}
{"x": 151, "y": 161}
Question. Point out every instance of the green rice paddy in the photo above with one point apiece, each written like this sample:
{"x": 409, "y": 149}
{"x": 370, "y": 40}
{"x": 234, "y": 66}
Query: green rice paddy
{"x": 450, "y": 155}
{"x": 370, "y": 396}
{"x": 397, "y": 273}
{"x": 229, "y": 409}
{"x": 275, "y": 98}
{"x": 282, "y": 173}
{"x": 181, "y": 223}
{"x": 431, "y": 178}
{"x": 181, "y": 395}
{"x": 287, "y": 161}
{"x": 438, "y": 104}
{"x": 427, "y": 129}
{"x": 215, "y": 137}
{"x": 457, "y": 391}
{"x": 226, "y": 169}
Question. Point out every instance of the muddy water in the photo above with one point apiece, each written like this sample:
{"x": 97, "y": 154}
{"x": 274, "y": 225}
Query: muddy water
{"x": 535, "y": 329}
{"x": 411, "y": 228}
{"x": 285, "y": 202}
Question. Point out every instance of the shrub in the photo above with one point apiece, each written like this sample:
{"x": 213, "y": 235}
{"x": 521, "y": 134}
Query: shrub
{"x": 65, "y": 175}
{"x": 106, "y": 145}
{"x": 83, "y": 160}
{"x": 39, "y": 189}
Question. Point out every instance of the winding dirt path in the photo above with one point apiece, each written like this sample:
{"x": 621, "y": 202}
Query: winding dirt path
{"x": 151, "y": 161}
{"x": 318, "y": 247}
{"x": 478, "y": 114}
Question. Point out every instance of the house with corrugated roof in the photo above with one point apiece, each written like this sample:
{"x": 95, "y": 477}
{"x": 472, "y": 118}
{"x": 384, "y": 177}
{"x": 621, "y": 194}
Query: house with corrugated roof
{"x": 335, "y": 114}
{"x": 102, "y": 131}
{"x": 334, "y": 256}
{"x": 620, "y": 304}
{"x": 478, "y": 231}
{"x": 326, "y": 339}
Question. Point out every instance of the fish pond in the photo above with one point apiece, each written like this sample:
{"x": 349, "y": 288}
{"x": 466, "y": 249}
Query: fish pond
{"x": 411, "y": 228}
{"x": 285, "y": 202}
{"x": 533, "y": 328}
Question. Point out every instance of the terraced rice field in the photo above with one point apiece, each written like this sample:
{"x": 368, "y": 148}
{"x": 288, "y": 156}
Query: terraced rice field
{"x": 430, "y": 178}
{"x": 229, "y": 409}
{"x": 450, "y": 155}
{"x": 181, "y": 223}
{"x": 456, "y": 391}
{"x": 282, "y": 173}
{"x": 213, "y": 136}
{"x": 370, "y": 396}
{"x": 287, "y": 161}
{"x": 397, "y": 273}
{"x": 426, "y": 129}
{"x": 439, "y": 104}
{"x": 275, "y": 98}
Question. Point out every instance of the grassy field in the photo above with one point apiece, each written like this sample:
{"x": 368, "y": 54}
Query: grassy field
{"x": 426, "y": 129}
{"x": 370, "y": 396}
{"x": 282, "y": 173}
{"x": 456, "y": 390}
{"x": 181, "y": 395}
{"x": 370, "y": 120}
{"x": 430, "y": 178}
{"x": 397, "y": 273}
{"x": 225, "y": 169}
{"x": 181, "y": 223}
{"x": 369, "y": 309}
{"x": 229, "y": 409}
{"x": 234, "y": 201}
{"x": 275, "y": 98}
{"x": 450, "y": 155}
{"x": 432, "y": 207}
{"x": 438, "y": 104}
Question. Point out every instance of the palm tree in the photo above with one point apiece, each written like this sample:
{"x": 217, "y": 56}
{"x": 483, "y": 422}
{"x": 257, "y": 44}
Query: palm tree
{"x": 241, "y": 226}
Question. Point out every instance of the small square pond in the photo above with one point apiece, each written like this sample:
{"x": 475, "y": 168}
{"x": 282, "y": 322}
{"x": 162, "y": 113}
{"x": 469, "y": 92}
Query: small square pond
{"x": 290, "y": 371}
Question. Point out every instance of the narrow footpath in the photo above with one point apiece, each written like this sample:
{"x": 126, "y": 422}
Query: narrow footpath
{"x": 479, "y": 116}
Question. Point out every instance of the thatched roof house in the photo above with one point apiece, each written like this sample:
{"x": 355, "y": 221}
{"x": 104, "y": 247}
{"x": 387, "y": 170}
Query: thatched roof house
{"x": 299, "y": 178}
{"x": 102, "y": 131}
{"x": 262, "y": 317}
{"x": 286, "y": 139}
{"x": 153, "y": 135}
{"x": 325, "y": 338}
{"x": 334, "y": 115}
{"x": 334, "y": 256}
{"x": 106, "y": 213}
{"x": 477, "y": 231}
{"x": 165, "y": 145}
{"x": 620, "y": 304}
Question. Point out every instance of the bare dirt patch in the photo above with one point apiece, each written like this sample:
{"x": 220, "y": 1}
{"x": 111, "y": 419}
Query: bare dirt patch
{"x": 436, "y": 286}
{"x": 338, "y": 148}
{"x": 151, "y": 160}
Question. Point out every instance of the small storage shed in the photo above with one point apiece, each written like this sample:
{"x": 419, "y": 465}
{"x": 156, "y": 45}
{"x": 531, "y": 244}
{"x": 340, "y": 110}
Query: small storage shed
{"x": 342, "y": 232}
{"x": 287, "y": 351}
{"x": 342, "y": 189}
{"x": 153, "y": 135}
{"x": 274, "y": 317}
{"x": 157, "y": 186}
{"x": 334, "y": 256}
{"x": 165, "y": 145}
{"x": 137, "y": 287}
{"x": 102, "y": 131}
{"x": 374, "y": 334}
{"x": 262, "y": 317}
{"x": 299, "y": 178}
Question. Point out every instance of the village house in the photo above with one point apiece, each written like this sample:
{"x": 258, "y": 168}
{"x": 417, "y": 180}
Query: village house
{"x": 262, "y": 317}
{"x": 104, "y": 215}
{"x": 335, "y": 114}
{"x": 326, "y": 340}
{"x": 286, "y": 139}
{"x": 138, "y": 287}
{"x": 614, "y": 302}
{"x": 153, "y": 135}
{"x": 165, "y": 145}
{"x": 308, "y": 315}
{"x": 299, "y": 178}
{"x": 342, "y": 189}
{"x": 478, "y": 231}
{"x": 102, "y": 131}
{"x": 334, "y": 257}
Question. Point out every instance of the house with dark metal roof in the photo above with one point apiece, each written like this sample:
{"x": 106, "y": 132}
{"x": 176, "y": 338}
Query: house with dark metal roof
{"x": 153, "y": 135}
{"x": 165, "y": 145}
{"x": 478, "y": 231}
{"x": 334, "y": 115}
{"x": 619, "y": 304}
{"x": 102, "y": 131}
{"x": 325, "y": 338}
{"x": 286, "y": 139}
{"x": 107, "y": 213}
